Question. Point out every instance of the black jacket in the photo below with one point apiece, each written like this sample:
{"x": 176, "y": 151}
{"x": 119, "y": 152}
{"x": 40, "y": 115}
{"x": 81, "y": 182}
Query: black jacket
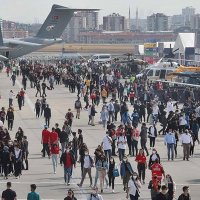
{"x": 63, "y": 158}
{"x": 47, "y": 112}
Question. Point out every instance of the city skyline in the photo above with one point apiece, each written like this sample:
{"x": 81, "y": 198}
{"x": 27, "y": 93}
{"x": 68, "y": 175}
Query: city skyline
{"x": 29, "y": 11}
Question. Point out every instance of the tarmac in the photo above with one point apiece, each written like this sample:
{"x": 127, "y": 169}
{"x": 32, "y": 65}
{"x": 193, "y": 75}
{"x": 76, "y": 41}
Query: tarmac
{"x": 51, "y": 186}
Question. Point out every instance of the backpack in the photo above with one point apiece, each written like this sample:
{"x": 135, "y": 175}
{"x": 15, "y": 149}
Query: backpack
{"x": 77, "y": 104}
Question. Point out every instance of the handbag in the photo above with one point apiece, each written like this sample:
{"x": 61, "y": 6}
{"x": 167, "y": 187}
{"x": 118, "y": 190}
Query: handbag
{"x": 115, "y": 172}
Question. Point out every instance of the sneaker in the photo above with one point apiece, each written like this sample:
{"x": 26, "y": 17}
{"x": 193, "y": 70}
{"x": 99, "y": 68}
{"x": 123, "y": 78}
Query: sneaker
{"x": 79, "y": 185}
{"x": 113, "y": 191}
{"x": 54, "y": 172}
{"x": 107, "y": 187}
{"x": 68, "y": 184}
{"x": 143, "y": 182}
{"x": 101, "y": 191}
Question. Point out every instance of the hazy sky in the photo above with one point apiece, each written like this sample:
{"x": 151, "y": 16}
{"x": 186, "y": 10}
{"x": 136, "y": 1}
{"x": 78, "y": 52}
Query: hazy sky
{"x": 29, "y": 11}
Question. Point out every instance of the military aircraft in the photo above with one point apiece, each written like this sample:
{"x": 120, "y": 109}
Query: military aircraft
{"x": 48, "y": 34}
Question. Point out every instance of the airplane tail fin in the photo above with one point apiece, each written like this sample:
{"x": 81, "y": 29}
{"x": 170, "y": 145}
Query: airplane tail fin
{"x": 57, "y": 21}
{"x": 1, "y": 38}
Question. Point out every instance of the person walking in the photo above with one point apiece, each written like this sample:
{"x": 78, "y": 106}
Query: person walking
{"x": 186, "y": 141}
{"x": 33, "y": 195}
{"x": 9, "y": 194}
{"x": 152, "y": 135}
{"x": 78, "y": 107}
{"x": 70, "y": 195}
{"x": 141, "y": 165}
{"x": 143, "y": 137}
{"x": 93, "y": 112}
{"x": 111, "y": 177}
{"x": 10, "y": 118}
{"x": 121, "y": 144}
{"x": 5, "y": 160}
{"x": 47, "y": 115}
{"x": 68, "y": 160}
{"x": 87, "y": 168}
{"x": 126, "y": 171}
{"x": 170, "y": 141}
{"x": 104, "y": 116}
{"x": 102, "y": 167}
{"x": 17, "y": 159}
{"x": 10, "y": 98}
{"x": 163, "y": 194}
{"x": 185, "y": 195}
{"x": 37, "y": 108}
{"x": 63, "y": 138}
{"x": 107, "y": 145}
{"x": 171, "y": 187}
{"x": 133, "y": 190}
{"x": 54, "y": 156}
{"x": 135, "y": 134}
{"x": 45, "y": 141}
{"x": 19, "y": 100}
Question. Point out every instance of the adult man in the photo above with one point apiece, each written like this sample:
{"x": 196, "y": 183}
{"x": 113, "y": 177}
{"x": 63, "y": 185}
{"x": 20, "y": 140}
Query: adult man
{"x": 47, "y": 115}
{"x": 157, "y": 170}
{"x": 22, "y": 94}
{"x": 33, "y": 195}
{"x": 170, "y": 106}
{"x": 9, "y": 194}
{"x": 10, "y": 98}
{"x": 111, "y": 110}
{"x": 163, "y": 194}
{"x": 143, "y": 137}
{"x": 70, "y": 195}
{"x": 63, "y": 137}
{"x": 78, "y": 107}
{"x": 186, "y": 141}
{"x": 45, "y": 141}
{"x": 67, "y": 158}
{"x": 185, "y": 195}
{"x": 170, "y": 141}
{"x": 69, "y": 117}
{"x": 87, "y": 166}
{"x": 117, "y": 108}
{"x": 53, "y": 137}
{"x": 107, "y": 145}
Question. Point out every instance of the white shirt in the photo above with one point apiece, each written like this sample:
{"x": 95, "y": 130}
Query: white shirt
{"x": 98, "y": 197}
{"x": 152, "y": 131}
{"x": 121, "y": 141}
{"x": 87, "y": 163}
{"x": 155, "y": 109}
{"x": 186, "y": 138}
{"x": 11, "y": 95}
{"x": 132, "y": 188}
{"x": 170, "y": 106}
{"x": 107, "y": 142}
{"x": 182, "y": 121}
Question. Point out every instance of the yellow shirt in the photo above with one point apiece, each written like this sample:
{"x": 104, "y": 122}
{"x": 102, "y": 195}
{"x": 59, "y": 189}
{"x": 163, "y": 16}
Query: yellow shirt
{"x": 87, "y": 82}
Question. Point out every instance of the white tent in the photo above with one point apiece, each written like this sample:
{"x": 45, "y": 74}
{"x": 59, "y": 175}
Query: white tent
{"x": 183, "y": 41}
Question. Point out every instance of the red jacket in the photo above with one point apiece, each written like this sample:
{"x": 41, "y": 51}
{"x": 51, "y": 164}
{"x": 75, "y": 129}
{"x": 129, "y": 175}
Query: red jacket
{"x": 45, "y": 136}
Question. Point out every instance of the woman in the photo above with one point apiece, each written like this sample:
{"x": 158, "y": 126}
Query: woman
{"x": 133, "y": 187}
{"x": 110, "y": 173}
{"x": 54, "y": 156}
{"x": 102, "y": 166}
{"x": 6, "y": 138}
{"x": 142, "y": 165}
{"x": 153, "y": 158}
{"x": 171, "y": 187}
{"x": 5, "y": 160}
{"x": 152, "y": 135}
{"x": 17, "y": 159}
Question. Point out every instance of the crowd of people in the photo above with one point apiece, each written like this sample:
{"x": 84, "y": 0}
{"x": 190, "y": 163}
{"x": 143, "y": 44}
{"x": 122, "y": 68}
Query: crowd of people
{"x": 131, "y": 113}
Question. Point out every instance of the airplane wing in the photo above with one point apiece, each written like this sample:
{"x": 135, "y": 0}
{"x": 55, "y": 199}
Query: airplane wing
{"x": 177, "y": 83}
{"x": 12, "y": 42}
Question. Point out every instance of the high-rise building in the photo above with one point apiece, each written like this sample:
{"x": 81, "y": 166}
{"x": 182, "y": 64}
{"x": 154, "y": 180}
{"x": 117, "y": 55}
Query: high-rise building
{"x": 176, "y": 21}
{"x": 81, "y": 21}
{"x": 187, "y": 14}
{"x": 195, "y": 22}
{"x": 114, "y": 22}
{"x": 157, "y": 22}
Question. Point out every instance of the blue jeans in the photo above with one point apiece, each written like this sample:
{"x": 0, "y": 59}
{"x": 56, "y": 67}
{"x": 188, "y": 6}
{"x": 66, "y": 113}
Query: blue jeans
{"x": 170, "y": 148}
{"x": 67, "y": 174}
{"x": 54, "y": 158}
{"x": 107, "y": 154}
